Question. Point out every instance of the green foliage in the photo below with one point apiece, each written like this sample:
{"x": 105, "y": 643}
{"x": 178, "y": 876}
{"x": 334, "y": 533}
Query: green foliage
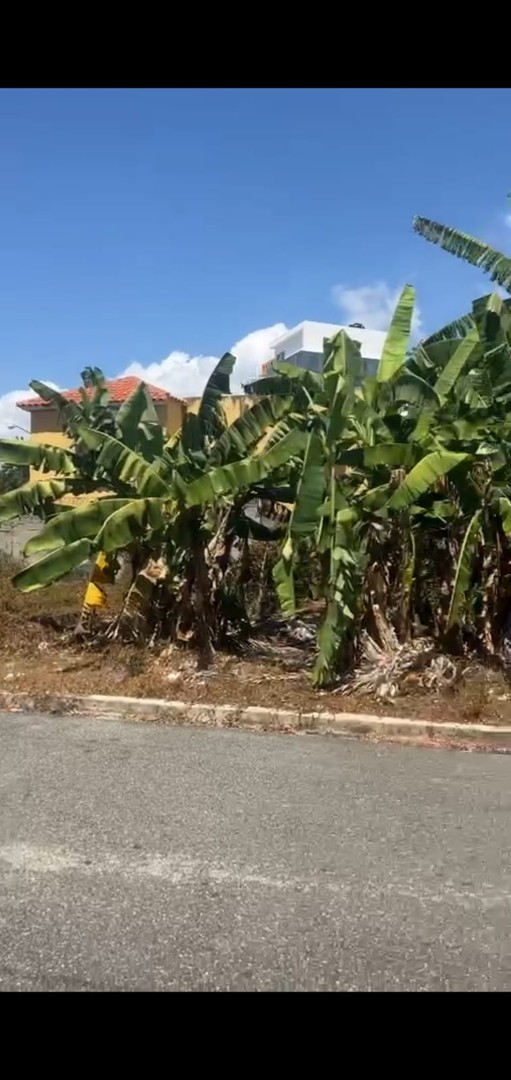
{"x": 31, "y": 498}
{"x": 399, "y": 488}
{"x": 466, "y": 247}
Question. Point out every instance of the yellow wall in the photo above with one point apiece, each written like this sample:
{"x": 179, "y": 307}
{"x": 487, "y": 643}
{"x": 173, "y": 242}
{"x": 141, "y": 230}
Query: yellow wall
{"x": 51, "y": 438}
{"x": 175, "y": 414}
{"x": 234, "y": 405}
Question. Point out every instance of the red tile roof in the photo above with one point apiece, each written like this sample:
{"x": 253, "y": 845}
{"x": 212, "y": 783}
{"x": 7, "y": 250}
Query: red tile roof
{"x": 120, "y": 390}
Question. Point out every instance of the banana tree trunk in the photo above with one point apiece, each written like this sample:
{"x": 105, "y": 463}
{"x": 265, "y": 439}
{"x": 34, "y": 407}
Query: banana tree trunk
{"x": 133, "y": 622}
{"x": 203, "y": 607}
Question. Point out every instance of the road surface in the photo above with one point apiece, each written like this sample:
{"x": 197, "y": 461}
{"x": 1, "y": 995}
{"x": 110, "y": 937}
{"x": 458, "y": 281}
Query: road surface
{"x": 136, "y": 857}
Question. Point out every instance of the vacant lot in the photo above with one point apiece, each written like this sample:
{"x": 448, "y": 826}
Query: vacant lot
{"x": 39, "y": 656}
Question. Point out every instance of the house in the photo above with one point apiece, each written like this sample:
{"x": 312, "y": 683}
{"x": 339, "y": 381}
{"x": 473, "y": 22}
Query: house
{"x": 45, "y": 423}
{"x": 303, "y": 345}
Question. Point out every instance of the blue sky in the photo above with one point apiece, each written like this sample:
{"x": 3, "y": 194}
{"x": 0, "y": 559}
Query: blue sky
{"x": 158, "y": 227}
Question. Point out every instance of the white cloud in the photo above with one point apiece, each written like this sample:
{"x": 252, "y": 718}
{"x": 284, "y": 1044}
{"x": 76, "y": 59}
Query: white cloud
{"x": 185, "y": 375}
{"x": 507, "y": 220}
{"x": 372, "y": 305}
{"x": 10, "y": 416}
{"x": 487, "y": 286}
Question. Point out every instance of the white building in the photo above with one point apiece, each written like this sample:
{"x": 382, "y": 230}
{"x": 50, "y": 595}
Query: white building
{"x": 303, "y": 345}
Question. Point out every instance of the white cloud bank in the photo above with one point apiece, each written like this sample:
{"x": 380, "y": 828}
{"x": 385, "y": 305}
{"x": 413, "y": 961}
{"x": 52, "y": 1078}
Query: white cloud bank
{"x": 185, "y": 375}
{"x": 10, "y": 415}
{"x": 372, "y": 305}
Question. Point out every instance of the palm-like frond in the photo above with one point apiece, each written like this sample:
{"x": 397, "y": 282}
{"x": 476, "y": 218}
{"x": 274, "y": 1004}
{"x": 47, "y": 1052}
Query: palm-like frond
{"x": 466, "y": 247}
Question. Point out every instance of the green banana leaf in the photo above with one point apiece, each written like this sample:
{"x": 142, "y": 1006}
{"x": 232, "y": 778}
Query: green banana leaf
{"x": 191, "y": 436}
{"x": 329, "y": 642}
{"x": 424, "y": 476}
{"x": 40, "y": 456}
{"x": 30, "y": 498}
{"x": 135, "y": 519}
{"x": 239, "y": 438}
{"x": 211, "y": 414}
{"x": 53, "y": 566}
{"x": 269, "y": 386}
{"x": 341, "y": 369}
{"x": 505, "y": 513}
{"x": 229, "y": 479}
{"x": 414, "y": 390}
{"x": 395, "y": 348}
{"x": 138, "y": 422}
{"x": 458, "y": 328}
{"x": 121, "y": 463}
{"x": 464, "y": 570}
{"x": 283, "y": 578}
{"x": 287, "y": 379}
{"x": 290, "y": 422}
{"x": 303, "y": 521}
{"x": 75, "y": 524}
{"x": 341, "y": 357}
{"x": 468, "y": 248}
{"x": 310, "y": 380}
{"x": 468, "y": 349}
{"x": 70, "y": 412}
{"x": 392, "y": 455}
{"x": 311, "y": 489}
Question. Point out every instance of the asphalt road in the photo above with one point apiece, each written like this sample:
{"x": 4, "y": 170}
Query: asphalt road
{"x": 147, "y": 858}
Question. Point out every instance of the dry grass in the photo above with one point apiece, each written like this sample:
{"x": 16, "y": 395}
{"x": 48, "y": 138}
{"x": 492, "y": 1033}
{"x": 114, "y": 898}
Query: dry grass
{"x": 38, "y": 658}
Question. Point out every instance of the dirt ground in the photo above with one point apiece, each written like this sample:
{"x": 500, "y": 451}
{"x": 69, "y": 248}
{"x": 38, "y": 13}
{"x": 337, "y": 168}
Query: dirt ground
{"x": 35, "y": 657}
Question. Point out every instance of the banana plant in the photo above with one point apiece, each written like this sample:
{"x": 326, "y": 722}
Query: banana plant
{"x": 353, "y": 425}
{"x": 392, "y": 461}
{"x": 172, "y": 502}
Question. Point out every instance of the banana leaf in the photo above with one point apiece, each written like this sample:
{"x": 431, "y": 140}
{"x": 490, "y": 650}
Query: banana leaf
{"x": 30, "y": 498}
{"x": 239, "y": 438}
{"x": 211, "y": 415}
{"x": 424, "y": 476}
{"x": 76, "y": 523}
{"x": 414, "y": 390}
{"x": 70, "y": 412}
{"x": 38, "y": 455}
{"x": 53, "y": 566}
{"x": 121, "y": 463}
{"x": 464, "y": 570}
{"x": 468, "y": 248}
{"x": 395, "y": 348}
{"x": 229, "y": 479}
{"x": 138, "y": 423}
{"x": 303, "y": 521}
{"x": 342, "y": 366}
{"x": 138, "y": 518}
{"x": 329, "y": 642}
{"x": 458, "y": 328}
{"x": 505, "y": 513}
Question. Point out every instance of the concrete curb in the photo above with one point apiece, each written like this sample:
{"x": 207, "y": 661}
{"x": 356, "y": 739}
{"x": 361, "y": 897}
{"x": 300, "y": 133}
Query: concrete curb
{"x": 156, "y": 710}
